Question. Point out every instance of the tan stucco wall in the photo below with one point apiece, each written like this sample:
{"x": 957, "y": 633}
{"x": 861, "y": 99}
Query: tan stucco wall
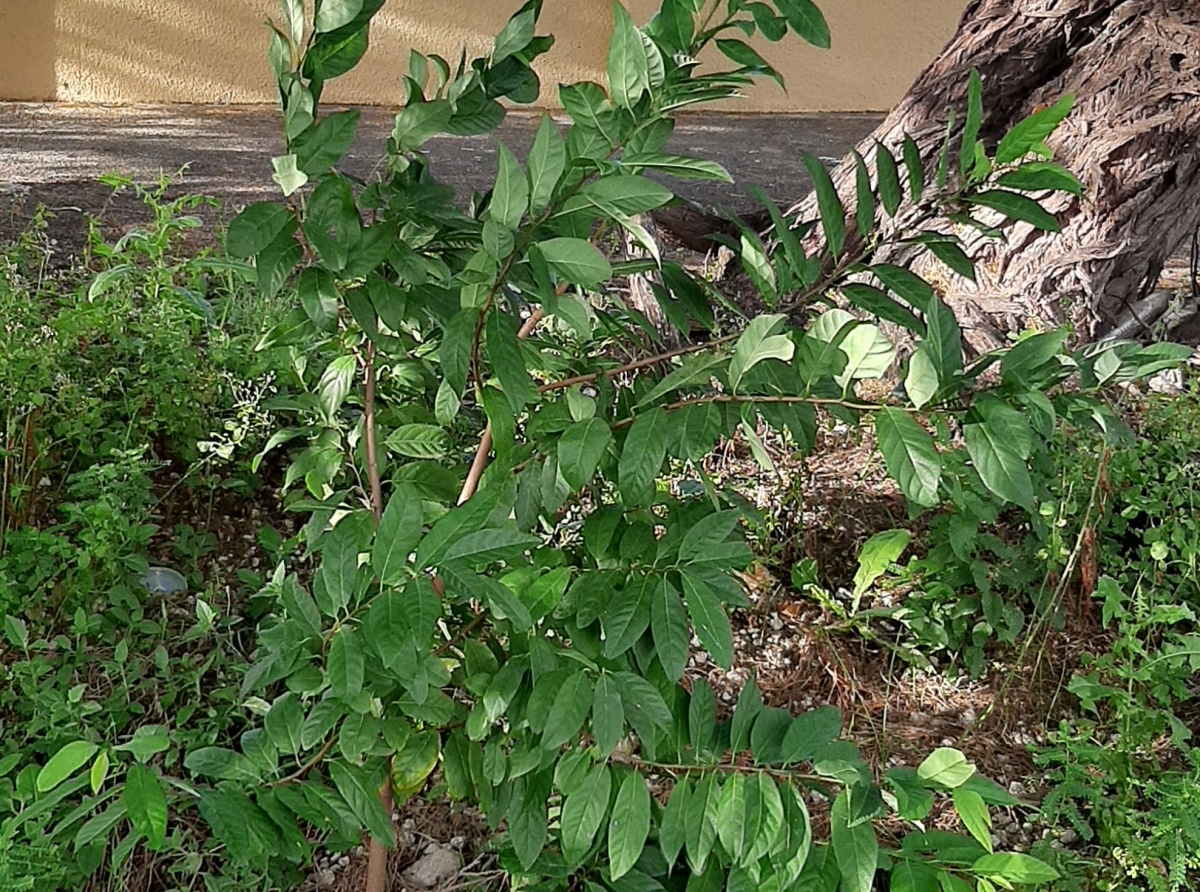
{"x": 127, "y": 51}
{"x": 26, "y": 49}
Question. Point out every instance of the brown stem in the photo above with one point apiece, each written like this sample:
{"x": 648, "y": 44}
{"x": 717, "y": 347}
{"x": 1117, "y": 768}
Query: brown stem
{"x": 479, "y": 463}
{"x": 369, "y": 424}
{"x": 377, "y": 861}
{"x": 728, "y": 398}
{"x": 638, "y": 364}
{"x": 303, "y": 770}
{"x": 376, "y": 851}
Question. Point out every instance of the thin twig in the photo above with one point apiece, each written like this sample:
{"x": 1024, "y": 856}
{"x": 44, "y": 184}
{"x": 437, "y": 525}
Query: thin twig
{"x": 479, "y": 463}
{"x": 790, "y": 400}
{"x": 638, "y": 364}
{"x": 308, "y": 766}
{"x": 369, "y": 424}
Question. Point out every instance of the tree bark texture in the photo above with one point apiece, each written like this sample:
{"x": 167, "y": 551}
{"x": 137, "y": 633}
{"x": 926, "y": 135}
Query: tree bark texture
{"x": 1133, "y": 139}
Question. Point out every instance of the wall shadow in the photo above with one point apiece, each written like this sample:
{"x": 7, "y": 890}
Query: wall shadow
{"x": 27, "y": 50}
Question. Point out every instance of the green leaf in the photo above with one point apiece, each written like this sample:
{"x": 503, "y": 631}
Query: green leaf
{"x": 909, "y": 453}
{"x": 693, "y": 370}
{"x": 527, "y": 819}
{"x": 628, "y": 63}
{"x": 741, "y": 53}
{"x": 608, "y": 716}
{"x": 580, "y": 449}
{"x": 99, "y": 772}
{"x": 1017, "y": 207}
{"x": 758, "y": 267}
{"x": 424, "y": 441}
{"x": 255, "y": 228}
{"x": 757, "y": 343}
{"x": 287, "y": 175}
{"x": 642, "y": 457}
{"x": 577, "y": 261}
{"x": 334, "y": 14}
{"x": 147, "y": 741}
{"x": 731, "y": 816}
{"x": 748, "y": 708}
{"x": 417, "y": 122}
{"x": 510, "y": 195}
{"x": 709, "y": 619}
{"x": 64, "y": 763}
{"x": 1000, "y": 466}
{"x": 515, "y": 35}
{"x": 672, "y": 830}
{"x": 855, "y": 847}
{"x": 914, "y": 876}
{"x": 335, "y": 385}
{"x": 334, "y": 585}
{"x": 714, "y": 540}
{"x": 583, "y": 812}
{"x": 1020, "y": 365}
{"x": 571, "y": 706}
{"x": 642, "y": 701}
{"x": 966, "y": 160}
{"x": 629, "y": 826}
{"x": 946, "y": 767}
{"x": 921, "y": 383}
{"x": 889, "y": 179}
{"x": 833, "y": 215}
{"x": 990, "y": 791}
{"x": 345, "y": 664}
{"x": 878, "y": 553}
{"x": 1016, "y": 868}
{"x": 219, "y": 763}
{"x": 943, "y": 341}
{"x": 681, "y": 167}
{"x": 809, "y": 732}
{"x": 912, "y": 164}
{"x": 508, "y": 362}
{"x": 865, "y": 211}
{"x": 1038, "y": 176}
{"x": 806, "y": 20}
{"x": 361, "y": 792}
{"x": 700, "y": 824}
{"x": 398, "y": 534}
{"x": 673, "y": 26}
{"x": 868, "y": 351}
{"x": 668, "y": 625}
{"x": 974, "y": 814}
{"x": 283, "y": 723}
{"x": 627, "y": 616}
{"x": 326, "y": 144}
{"x": 547, "y": 161}
{"x": 626, "y": 193}
{"x": 952, "y": 255}
{"x": 487, "y": 546}
{"x": 702, "y": 716}
{"x": 915, "y": 291}
{"x": 146, "y": 805}
{"x": 1033, "y": 131}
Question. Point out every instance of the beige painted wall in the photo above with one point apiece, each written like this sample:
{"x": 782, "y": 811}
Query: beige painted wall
{"x": 128, "y": 51}
{"x": 26, "y": 49}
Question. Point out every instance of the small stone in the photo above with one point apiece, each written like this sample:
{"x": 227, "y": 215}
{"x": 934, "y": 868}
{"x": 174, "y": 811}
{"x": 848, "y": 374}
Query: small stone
{"x": 1068, "y": 837}
{"x": 1016, "y": 788}
{"x": 326, "y": 879}
{"x": 431, "y": 869}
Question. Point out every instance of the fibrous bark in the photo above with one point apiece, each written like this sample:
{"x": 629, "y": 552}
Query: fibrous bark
{"x": 1133, "y": 139}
